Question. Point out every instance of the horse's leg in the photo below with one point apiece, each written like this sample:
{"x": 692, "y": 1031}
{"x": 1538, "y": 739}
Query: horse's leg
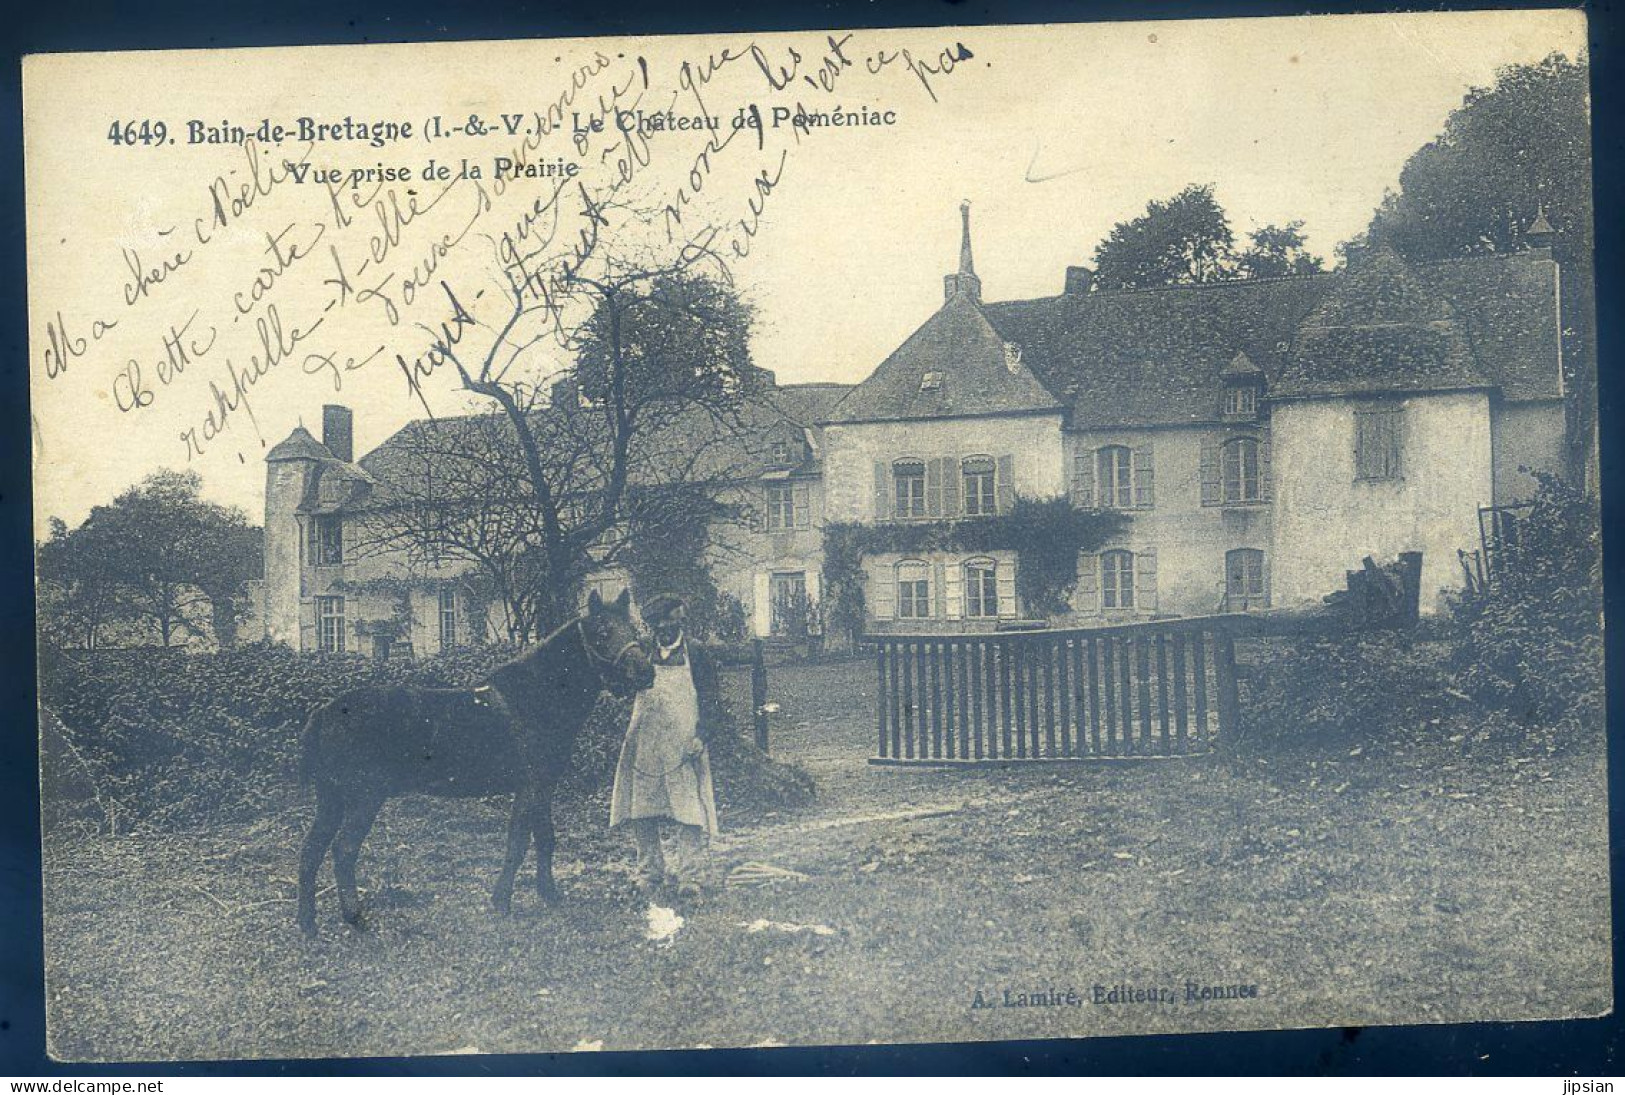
{"x": 361, "y": 810}
{"x": 518, "y": 845}
{"x": 329, "y": 813}
{"x": 541, "y": 817}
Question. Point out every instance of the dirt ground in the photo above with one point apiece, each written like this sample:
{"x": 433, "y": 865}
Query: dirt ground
{"x": 1436, "y": 881}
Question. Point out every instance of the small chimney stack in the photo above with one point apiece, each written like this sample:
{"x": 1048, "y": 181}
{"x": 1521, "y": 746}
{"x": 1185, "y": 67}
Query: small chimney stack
{"x": 1079, "y": 280}
{"x": 338, "y": 432}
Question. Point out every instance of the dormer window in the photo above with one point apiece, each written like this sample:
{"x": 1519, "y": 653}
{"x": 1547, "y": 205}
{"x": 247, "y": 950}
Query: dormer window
{"x": 931, "y": 382}
{"x": 781, "y": 453}
{"x": 1241, "y": 401}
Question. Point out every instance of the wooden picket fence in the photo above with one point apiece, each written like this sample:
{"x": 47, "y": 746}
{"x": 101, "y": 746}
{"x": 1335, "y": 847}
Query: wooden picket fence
{"x": 1157, "y": 689}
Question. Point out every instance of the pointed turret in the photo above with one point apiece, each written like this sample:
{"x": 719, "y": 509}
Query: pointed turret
{"x": 1540, "y": 232}
{"x": 965, "y": 283}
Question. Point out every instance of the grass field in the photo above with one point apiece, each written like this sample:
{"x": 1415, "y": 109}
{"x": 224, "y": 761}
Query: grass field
{"x": 1421, "y": 879}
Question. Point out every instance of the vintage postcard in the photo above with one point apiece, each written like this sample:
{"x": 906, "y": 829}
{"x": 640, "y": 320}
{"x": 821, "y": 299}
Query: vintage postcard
{"x": 817, "y": 538}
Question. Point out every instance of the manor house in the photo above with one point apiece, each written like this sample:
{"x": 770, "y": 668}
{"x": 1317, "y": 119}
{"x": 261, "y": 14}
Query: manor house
{"x": 1257, "y": 437}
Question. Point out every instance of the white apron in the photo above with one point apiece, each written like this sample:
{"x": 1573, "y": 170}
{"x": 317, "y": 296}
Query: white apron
{"x": 652, "y": 778}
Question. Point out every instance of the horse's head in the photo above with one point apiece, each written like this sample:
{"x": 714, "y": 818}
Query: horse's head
{"x": 615, "y": 645}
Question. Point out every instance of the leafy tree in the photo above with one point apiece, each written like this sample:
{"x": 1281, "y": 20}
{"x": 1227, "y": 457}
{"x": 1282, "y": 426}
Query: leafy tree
{"x": 1511, "y": 151}
{"x": 1277, "y": 252}
{"x": 158, "y": 556}
{"x": 1185, "y": 240}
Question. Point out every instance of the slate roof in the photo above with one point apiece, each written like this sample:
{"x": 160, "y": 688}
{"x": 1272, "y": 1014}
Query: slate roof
{"x": 1379, "y": 329}
{"x": 1158, "y": 357}
{"x": 980, "y": 373}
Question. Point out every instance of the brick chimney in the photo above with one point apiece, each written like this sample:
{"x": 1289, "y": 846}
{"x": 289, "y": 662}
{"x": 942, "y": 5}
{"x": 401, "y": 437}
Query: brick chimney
{"x": 338, "y": 431}
{"x": 1079, "y": 280}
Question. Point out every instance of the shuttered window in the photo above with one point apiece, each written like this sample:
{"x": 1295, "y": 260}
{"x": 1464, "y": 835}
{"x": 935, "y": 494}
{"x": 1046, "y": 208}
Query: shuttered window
{"x": 908, "y": 488}
{"x": 978, "y": 473}
{"x": 1117, "y": 579}
{"x": 781, "y": 506}
{"x": 448, "y": 618}
{"x": 913, "y": 590}
{"x": 1114, "y": 477}
{"x": 981, "y": 589}
{"x": 1376, "y": 443}
{"x": 1241, "y": 470}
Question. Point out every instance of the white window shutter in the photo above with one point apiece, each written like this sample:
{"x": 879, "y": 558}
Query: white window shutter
{"x": 1265, "y": 475}
{"x": 1144, "y": 476}
{"x": 933, "y": 487}
{"x": 1005, "y": 577}
{"x": 1208, "y": 467}
{"x": 1083, "y": 479}
{"x": 762, "y": 617}
{"x": 1004, "y": 482}
{"x": 1145, "y": 580}
{"x": 801, "y": 499}
{"x": 882, "y": 592}
{"x": 954, "y": 589}
{"x": 952, "y": 479}
{"x": 883, "y": 500}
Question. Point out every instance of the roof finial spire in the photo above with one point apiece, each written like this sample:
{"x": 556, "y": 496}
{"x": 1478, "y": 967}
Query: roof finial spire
{"x": 966, "y": 266}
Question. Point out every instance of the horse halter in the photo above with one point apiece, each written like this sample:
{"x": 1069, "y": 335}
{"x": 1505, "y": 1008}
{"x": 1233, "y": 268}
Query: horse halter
{"x": 598, "y": 661}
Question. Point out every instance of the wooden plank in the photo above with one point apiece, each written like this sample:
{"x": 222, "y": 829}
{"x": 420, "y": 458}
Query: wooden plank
{"x": 1165, "y": 731}
{"x": 896, "y": 700}
{"x": 1019, "y": 671}
{"x": 1004, "y": 699}
{"x": 1142, "y": 669}
{"x": 965, "y": 649}
{"x": 1199, "y": 678}
{"x": 935, "y": 657}
{"x": 908, "y": 700}
{"x": 1224, "y": 672}
{"x": 1125, "y": 691}
{"x": 1035, "y": 698}
{"x": 922, "y": 684}
{"x": 1094, "y": 694}
{"x": 881, "y": 699}
{"x": 981, "y": 666}
{"x": 1181, "y": 693}
{"x": 1108, "y": 673}
{"x": 1048, "y": 650}
{"x": 1063, "y": 694}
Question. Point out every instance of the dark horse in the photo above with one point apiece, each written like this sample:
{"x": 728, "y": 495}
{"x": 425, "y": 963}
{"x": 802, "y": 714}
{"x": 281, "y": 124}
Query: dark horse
{"x": 513, "y": 734}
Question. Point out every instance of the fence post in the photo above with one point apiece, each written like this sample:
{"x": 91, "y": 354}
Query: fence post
{"x": 1224, "y": 669}
{"x": 758, "y": 691}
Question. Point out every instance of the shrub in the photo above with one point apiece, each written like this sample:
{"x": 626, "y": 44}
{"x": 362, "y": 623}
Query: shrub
{"x": 172, "y": 739}
{"x": 1530, "y": 640}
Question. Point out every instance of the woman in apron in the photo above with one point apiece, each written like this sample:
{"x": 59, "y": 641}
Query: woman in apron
{"x": 664, "y": 774}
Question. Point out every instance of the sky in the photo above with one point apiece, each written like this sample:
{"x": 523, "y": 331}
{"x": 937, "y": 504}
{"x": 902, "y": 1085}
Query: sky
{"x": 1052, "y": 133}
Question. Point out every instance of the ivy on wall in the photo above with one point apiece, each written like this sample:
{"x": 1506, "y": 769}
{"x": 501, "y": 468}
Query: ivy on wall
{"x": 1048, "y": 534}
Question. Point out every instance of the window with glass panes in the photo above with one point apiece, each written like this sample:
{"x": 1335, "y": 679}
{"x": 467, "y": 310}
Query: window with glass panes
{"x": 326, "y": 533}
{"x": 330, "y": 624}
{"x": 448, "y": 618}
{"x": 1114, "y": 477}
{"x": 1117, "y": 579}
{"x": 1240, "y": 468}
{"x": 981, "y": 589}
{"x": 913, "y": 590}
{"x": 980, "y": 500}
{"x": 908, "y": 486}
{"x": 781, "y": 506}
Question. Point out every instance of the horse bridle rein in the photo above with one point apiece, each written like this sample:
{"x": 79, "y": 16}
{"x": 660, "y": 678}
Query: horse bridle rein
{"x": 600, "y": 662}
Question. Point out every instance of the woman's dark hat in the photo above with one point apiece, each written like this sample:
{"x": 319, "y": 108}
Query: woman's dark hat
{"x": 661, "y": 606}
